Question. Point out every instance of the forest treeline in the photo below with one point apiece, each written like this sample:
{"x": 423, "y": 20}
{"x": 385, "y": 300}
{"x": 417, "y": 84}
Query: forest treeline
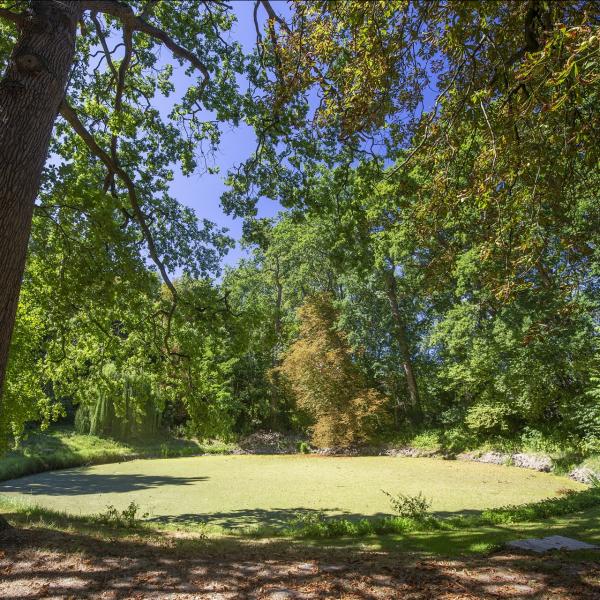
{"x": 435, "y": 266}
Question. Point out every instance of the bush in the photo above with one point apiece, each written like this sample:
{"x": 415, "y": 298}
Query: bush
{"x": 409, "y": 506}
{"x": 318, "y": 526}
{"x": 303, "y": 448}
{"x": 428, "y": 440}
{"x": 127, "y": 517}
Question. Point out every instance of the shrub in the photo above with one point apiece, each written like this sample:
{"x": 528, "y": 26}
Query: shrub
{"x": 303, "y": 448}
{"x": 409, "y": 506}
{"x": 127, "y": 517}
{"x": 428, "y": 440}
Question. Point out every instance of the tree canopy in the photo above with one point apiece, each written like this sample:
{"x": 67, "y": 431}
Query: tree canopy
{"x": 435, "y": 263}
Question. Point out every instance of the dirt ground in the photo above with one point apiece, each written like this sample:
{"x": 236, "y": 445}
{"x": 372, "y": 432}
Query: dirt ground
{"x": 44, "y": 563}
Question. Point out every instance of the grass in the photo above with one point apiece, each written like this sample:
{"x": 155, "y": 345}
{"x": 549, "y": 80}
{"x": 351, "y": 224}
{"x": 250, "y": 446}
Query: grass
{"x": 269, "y": 491}
{"x": 576, "y": 515}
{"x": 61, "y": 448}
{"x": 319, "y": 526}
{"x": 487, "y": 537}
{"x": 314, "y": 500}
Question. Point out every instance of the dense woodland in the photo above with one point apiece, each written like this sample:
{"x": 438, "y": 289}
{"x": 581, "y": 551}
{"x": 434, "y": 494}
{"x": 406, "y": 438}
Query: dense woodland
{"x": 436, "y": 265}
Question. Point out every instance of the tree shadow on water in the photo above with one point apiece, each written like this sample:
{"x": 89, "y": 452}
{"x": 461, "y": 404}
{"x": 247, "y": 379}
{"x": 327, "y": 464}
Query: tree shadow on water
{"x": 75, "y": 483}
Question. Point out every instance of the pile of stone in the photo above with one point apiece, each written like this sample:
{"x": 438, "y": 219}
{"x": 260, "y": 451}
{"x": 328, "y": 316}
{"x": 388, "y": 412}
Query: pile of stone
{"x": 350, "y": 451}
{"x": 409, "y": 452}
{"x": 270, "y": 442}
{"x": 537, "y": 462}
{"x": 584, "y": 475}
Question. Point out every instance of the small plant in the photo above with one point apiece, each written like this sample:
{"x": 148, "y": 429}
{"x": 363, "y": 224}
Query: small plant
{"x": 127, "y": 517}
{"x": 304, "y": 448}
{"x": 165, "y": 451}
{"x": 305, "y": 519}
{"x": 318, "y": 525}
{"x": 429, "y": 440}
{"x": 409, "y": 506}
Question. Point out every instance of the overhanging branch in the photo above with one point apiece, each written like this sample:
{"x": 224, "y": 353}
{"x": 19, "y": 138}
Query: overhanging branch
{"x": 129, "y": 19}
{"x": 71, "y": 117}
{"x": 19, "y": 19}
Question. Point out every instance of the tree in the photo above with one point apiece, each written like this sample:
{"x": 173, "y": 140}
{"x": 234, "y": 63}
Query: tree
{"x": 495, "y": 102}
{"x": 348, "y": 207}
{"x": 47, "y": 51}
{"x": 326, "y": 382}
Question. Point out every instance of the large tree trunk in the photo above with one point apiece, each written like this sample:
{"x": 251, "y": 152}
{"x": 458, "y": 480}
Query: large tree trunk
{"x": 401, "y": 338}
{"x": 31, "y": 92}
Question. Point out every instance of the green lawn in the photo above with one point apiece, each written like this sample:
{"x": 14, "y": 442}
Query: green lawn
{"x": 583, "y": 525}
{"x": 61, "y": 447}
{"x": 242, "y": 491}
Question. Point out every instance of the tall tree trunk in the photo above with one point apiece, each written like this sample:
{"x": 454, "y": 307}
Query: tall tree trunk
{"x": 401, "y": 338}
{"x": 31, "y": 91}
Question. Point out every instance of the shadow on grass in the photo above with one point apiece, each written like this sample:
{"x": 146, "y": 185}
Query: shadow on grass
{"x": 483, "y": 538}
{"x": 276, "y": 518}
{"x": 279, "y": 518}
{"x": 85, "y": 565}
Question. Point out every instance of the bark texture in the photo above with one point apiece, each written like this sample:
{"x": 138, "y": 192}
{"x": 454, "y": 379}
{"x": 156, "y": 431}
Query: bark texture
{"x": 31, "y": 91}
{"x": 401, "y": 338}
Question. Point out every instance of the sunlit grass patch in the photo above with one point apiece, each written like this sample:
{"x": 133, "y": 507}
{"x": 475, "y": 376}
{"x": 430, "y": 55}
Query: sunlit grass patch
{"x": 62, "y": 448}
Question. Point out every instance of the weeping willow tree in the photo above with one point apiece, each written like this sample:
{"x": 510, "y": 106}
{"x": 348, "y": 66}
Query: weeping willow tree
{"x": 123, "y": 406}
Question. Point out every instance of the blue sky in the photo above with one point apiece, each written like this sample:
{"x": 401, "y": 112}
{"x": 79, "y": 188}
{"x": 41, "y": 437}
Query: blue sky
{"x": 203, "y": 191}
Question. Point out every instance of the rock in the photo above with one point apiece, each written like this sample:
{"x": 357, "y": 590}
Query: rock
{"x": 332, "y": 568}
{"x": 409, "y": 452}
{"x": 282, "y": 594}
{"x": 465, "y": 456}
{"x": 270, "y": 442}
{"x": 584, "y": 475}
{"x": 533, "y": 461}
{"x": 349, "y": 451}
{"x": 547, "y": 544}
{"x": 494, "y": 458}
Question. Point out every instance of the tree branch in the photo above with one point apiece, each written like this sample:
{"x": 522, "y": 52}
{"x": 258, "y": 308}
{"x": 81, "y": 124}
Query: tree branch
{"x": 71, "y": 117}
{"x": 19, "y": 19}
{"x": 136, "y": 23}
{"x": 273, "y": 15}
{"x": 102, "y": 39}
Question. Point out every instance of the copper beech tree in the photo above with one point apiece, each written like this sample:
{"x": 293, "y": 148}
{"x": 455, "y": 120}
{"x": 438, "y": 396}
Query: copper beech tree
{"x": 326, "y": 382}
